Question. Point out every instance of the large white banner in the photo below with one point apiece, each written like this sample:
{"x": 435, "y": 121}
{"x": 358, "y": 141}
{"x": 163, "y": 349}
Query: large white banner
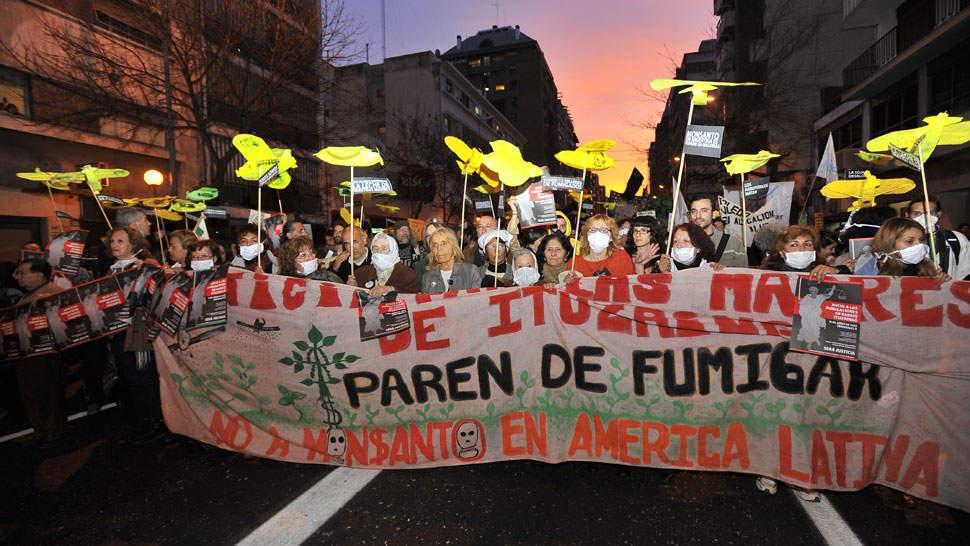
{"x": 765, "y": 217}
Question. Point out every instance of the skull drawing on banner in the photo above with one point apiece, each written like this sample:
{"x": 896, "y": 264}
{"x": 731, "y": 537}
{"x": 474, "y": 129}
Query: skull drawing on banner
{"x": 336, "y": 444}
{"x": 468, "y": 440}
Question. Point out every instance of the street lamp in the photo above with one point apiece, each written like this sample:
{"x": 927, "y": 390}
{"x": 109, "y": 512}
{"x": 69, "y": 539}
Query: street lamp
{"x": 153, "y": 177}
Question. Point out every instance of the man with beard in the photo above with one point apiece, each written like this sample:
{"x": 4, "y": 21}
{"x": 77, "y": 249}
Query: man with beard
{"x": 728, "y": 251}
{"x": 407, "y": 248}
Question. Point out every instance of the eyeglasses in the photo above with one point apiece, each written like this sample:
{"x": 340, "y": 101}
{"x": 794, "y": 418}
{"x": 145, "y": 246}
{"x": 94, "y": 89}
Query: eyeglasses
{"x": 642, "y": 230}
{"x": 306, "y": 255}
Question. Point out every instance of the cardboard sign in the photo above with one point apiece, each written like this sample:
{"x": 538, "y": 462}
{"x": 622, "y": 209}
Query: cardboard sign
{"x": 216, "y": 213}
{"x": 911, "y": 160}
{"x": 555, "y": 183}
{"x": 703, "y": 140}
{"x": 855, "y": 174}
{"x": 536, "y": 207}
{"x": 828, "y": 319}
{"x": 756, "y": 189}
{"x": 371, "y": 185}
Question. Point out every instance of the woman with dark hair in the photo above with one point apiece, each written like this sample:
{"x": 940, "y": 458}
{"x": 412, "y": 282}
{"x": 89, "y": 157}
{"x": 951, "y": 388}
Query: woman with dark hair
{"x": 691, "y": 248}
{"x": 643, "y": 244}
{"x": 828, "y": 242}
{"x": 531, "y": 238}
{"x": 251, "y": 252}
{"x": 298, "y": 258}
{"x": 554, "y": 254}
{"x": 794, "y": 251}
{"x": 204, "y": 255}
{"x": 901, "y": 251}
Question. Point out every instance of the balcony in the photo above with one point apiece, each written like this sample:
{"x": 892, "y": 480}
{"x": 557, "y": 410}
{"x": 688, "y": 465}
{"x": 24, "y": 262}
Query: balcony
{"x": 726, "y": 26}
{"x": 915, "y": 24}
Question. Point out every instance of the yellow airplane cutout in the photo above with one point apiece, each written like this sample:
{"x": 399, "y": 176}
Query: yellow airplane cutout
{"x": 745, "y": 163}
{"x": 866, "y": 190}
{"x": 345, "y": 216}
{"x": 506, "y": 161}
{"x": 697, "y": 89}
{"x": 166, "y": 214}
{"x": 589, "y": 157}
{"x": 158, "y": 202}
{"x": 469, "y": 159}
{"x": 349, "y": 156}
{"x": 260, "y": 158}
{"x": 390, "y": 209}
{"x": 60, "y": 181}
{"x": 185, "y": 205}
{"x": 941, "y": 129}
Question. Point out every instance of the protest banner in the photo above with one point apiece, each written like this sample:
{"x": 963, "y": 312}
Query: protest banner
{"x": 685, "y": 371}
{"x": 763, "y": 222}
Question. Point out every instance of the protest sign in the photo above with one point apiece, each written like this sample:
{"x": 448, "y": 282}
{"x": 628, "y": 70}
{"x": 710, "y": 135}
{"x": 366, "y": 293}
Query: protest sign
{"x": 554, "y": 183}
{"x": 763, "y": 222}
{"x": 172, "y": 302}
{"x": 36, "y": 338}
{"x": 269, "y": 175}
{"x": 10, "y": 346}
{"x": 362, "y": 184}
{"x": 686, "y": 371}
{"x": 273, "y": 227}
{"x": 535, "y": 207}
{"x": 860, "y": 250}
{"x": 755, "y": 190}
{"x": 909, "y": 159}
{"x": 703, "y": 140}
{"x": 381, "y": 316}
{"x": 207, "y": 305}
{"x": 64, "y": 252}
{"x": 827, "y": 322}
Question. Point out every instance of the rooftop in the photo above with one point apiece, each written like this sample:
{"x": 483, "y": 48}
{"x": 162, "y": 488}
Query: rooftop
{"x": 495, "y": 37}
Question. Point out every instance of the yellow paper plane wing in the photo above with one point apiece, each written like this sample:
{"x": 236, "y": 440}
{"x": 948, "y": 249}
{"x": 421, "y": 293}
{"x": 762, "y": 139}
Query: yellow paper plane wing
{"x": 506, "y": 160}
{"x": 389, "y": 208}
{"x": 184, "y": 205}
{"x": 601, "y": 145}
{"x": 166, "y": 214}
{"x": 866, "y": 190}
{"x": 697, "y": 88}
{"x": 469, "y": 159}
{"x": 939, "y": 129}
{"x": 158, "y": 202}
{"x": 585, "y": 160}
{"x": 745, "y": 163}
{"x": 349, "y": 156}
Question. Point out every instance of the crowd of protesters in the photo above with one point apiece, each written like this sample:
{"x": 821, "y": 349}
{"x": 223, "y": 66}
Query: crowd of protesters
{"x": 439, "y": 259}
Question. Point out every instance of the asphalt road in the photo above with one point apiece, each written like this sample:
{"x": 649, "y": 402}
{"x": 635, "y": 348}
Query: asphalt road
{"x": 100, "y": 489}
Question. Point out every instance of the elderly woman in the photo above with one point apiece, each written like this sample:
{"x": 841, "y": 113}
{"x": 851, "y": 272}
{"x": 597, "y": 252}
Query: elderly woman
{"x": 496, "y": 271}
{"x": 598, "y": 253}
{"x": 204, "y": 255}
{"x": 555, "y": 251}
{"x": 421, "y": 266}
{"x": 525, "y": 268}
{"x": 125, "y": 245}
{"x": 178, "y": 244}
{"x": 386, "y": 272}
{"x": 298, "y": 258}
{"x": 795, "y": 250}
{"x": 691, "y": 248}
{"x": 446, "y": 271}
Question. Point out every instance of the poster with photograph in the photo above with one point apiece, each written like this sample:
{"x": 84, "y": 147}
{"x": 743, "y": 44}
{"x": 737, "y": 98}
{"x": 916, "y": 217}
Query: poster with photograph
{"x": 173, "y": 301}
{"x": 105, "y": 306}
{"x": 860, "y": 250}
{"x": 536, "y": 207}
{"x": 827, "y": 322}
{"x": 35, "y": 335}
{"x": 381, "y": 316}
{"x": 273, "y": 226}
{"x": 9, "y": 341}
{"x": 67, "y": 319}
{"x": 208, "y": 306}
{"x": 65, "y": 251}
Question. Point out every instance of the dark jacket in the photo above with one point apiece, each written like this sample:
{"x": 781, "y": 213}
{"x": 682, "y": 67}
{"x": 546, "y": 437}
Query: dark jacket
{"x": 402, "y": 278}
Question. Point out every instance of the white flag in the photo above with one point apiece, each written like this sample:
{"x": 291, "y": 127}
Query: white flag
{"x": 827, "y": 168}
{"x": 683, "y": 214}
{"x": 201, "y": 232}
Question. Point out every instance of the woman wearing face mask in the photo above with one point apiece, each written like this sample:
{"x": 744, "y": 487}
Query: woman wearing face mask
{"x": 386, "y": 272}
{"x": 598, "y": 254}
{"x": 901, "y": 251}
{"x": 691, "y": 248}
{"x": 794, "y": 251}
{"x": 250, "y": 252}
{"x": 496, "y": 271}
{"x": 204, "y": 255}
{"x": 555, "y": 251}
{"x": 623, "y": 232}
{"x": 525, "y": 268}
{"x": 643, "y": 244}
{"x": 298, "y": 258}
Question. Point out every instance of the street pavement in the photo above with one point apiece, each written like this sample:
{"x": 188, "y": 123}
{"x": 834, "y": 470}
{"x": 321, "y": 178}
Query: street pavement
{"x": 98, "y": 488}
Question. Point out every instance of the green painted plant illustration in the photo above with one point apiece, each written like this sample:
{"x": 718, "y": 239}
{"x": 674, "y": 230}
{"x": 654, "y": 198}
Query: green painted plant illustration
{"x": 311, "y": 358}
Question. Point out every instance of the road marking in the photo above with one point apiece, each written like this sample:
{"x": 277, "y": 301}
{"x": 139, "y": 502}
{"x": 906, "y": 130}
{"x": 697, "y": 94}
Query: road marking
{"x": 835, "y": 531}
{"x": 311, "y": 510}
{"x": 76, "y": 416}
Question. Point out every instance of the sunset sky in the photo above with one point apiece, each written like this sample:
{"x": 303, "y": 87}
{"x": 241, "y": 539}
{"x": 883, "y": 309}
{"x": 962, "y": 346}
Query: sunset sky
{"x": 602, "y": 54}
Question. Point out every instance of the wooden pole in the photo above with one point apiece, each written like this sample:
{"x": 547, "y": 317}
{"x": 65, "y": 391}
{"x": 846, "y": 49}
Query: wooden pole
{"x": 60, "y": 223}
{"x": 579, "y": 212}
{"x": 351, "y": 258}
{"x": 926, "y": 207}
{"x": 744, "y": 216}
{"x": 103, "y": 213}
{"x": 158, "y": 232}
{"x": 259, "y": 228}
{"x": 680, "y": 174}
{"x": 464, "y": 197}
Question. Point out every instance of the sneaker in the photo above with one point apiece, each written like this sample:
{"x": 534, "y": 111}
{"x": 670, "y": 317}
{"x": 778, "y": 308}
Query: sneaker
{"x": 807, "y": 495}
{"x": 767, "y": 485}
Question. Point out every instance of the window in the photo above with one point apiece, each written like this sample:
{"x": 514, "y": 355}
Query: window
{"x": 382, "y": 130}
{"x": 380, "y": 92}
{"x": 486, "y": 60}
{"x": 449, "y": 87}
{"x": 897, "y": 111}
{"x": 475, "y": 63}
{"x": 500, "y": 87}
{"x": 464, "y": 100}
{"x": 950, "y": 85}
{"x": 124, "y": 29}
{"x": 14, "y": 92}
{"x": 478, "y": 110}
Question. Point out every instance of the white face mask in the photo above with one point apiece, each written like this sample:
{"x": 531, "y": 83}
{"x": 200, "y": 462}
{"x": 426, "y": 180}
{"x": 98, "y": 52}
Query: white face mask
{"x": 249, "y": 252}
{"x": 800, "y": 260}
{"x": 921, "y": 220}
{"x": 684, "y": 255}
{"x": 598, "y": 242}
{"x": 121, "y": 264}
{"x": 309, "y": 266}
{"x": 382, "y": 262}
{"x": 202, "y": 265}
{"x": 623, "y": 232}
{"x": 914, "y": 254}
{"x": 525, "y": 276}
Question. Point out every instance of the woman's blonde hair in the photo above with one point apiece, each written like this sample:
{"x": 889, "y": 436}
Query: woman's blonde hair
{"x": 183, "y": 236}
{"x": 884, "y": 247}
{"x": 584, "y": 243}
{"x": 448, "y": 234}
